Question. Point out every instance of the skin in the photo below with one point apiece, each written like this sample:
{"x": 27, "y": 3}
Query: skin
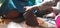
{"x": 43, "y": 6}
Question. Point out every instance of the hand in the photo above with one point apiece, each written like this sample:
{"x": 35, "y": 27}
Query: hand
{"x": 50, "y": 15}
{"x": 27, "y": 8}
{"x": 30, "y": 8}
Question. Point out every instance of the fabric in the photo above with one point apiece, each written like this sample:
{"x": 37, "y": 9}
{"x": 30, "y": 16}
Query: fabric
{"x": 58, "y": 21}
{"x": 33, "y": 1}
{"x": 38, "y": 1}
{"x": 12, "y": 14}
{"x": 21, "y": 5}
{"x": 8, "y": 5}
{"x": 19, "y": 25}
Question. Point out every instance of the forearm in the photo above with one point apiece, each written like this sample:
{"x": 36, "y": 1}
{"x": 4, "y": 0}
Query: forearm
{"x": 43, "y": 5}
